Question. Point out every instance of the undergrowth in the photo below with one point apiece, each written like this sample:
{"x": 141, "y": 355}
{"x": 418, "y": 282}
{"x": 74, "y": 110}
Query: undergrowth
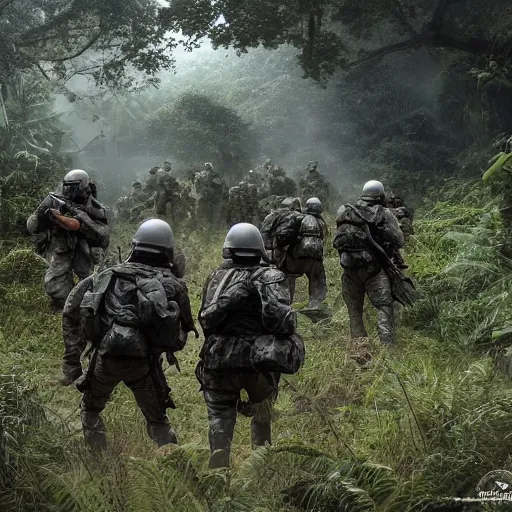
{"x": 424, "y": 422}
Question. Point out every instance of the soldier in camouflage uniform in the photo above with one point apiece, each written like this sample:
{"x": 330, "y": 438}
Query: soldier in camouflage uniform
{"x": 314, "y": 184}
{"x": 151, "y": 185}
{"x": 167, "y": 191}
{"x": 250, "y": 339}
{"x": 305, "y": 256}
{"x": 138, "y": 201}
{"x": 403, "y": 214}
{"x": 243, "y": 204}
{"x": 71, "y": 252}
{"x": 212, "y": 197}
{"x": 132, "y": 314}
{"x": 362, "y": 269}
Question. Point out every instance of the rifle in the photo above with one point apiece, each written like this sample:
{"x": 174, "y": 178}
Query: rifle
{"x": 402, "y": 287}
{"x": 60, "y": 214}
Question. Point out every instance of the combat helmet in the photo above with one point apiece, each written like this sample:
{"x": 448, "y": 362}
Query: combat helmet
{"x": 373, "y": 191}
{"x": 291, "y": 203}
{"x": 244, "y": 240}
{"x": 137, "y": 184}
{"x": 75, "y": 185}
{"x": 314, "y": 205}
{"x": 154, "y": 236}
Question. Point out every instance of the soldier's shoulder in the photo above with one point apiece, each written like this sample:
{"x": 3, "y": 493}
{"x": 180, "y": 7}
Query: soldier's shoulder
{"x": 269, "y": 275}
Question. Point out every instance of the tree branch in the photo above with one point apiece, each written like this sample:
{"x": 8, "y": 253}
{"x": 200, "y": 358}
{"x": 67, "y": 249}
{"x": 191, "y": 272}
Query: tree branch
{"x": 409, "y": 44}
{"x": 76, "y": 54}
{"x": 438, "y": 40}
{"x": 70, "y": 12}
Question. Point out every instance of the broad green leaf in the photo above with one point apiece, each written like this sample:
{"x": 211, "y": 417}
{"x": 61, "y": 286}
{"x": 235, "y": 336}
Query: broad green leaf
{"x": 502, "y": 160}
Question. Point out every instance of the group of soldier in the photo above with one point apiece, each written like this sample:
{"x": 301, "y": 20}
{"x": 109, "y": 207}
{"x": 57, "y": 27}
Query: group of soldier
{"x": 134, "y": 314}
{"x": 207, "y": 200}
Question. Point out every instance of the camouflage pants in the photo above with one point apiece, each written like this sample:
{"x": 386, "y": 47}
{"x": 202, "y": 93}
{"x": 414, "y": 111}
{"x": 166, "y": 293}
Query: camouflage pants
{"x": 63, "y": 262}
{"x": 314, "y": 271}
{"x": 222, "y": 394}
{"x": 138, "y": 375}
{"x": 375, "y": 283}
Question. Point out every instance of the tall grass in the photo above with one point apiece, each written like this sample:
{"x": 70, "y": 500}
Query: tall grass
{"x": 415, "y": 425}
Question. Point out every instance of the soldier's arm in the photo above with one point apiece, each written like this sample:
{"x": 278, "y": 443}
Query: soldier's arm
{"x": 95, "y": 232}
{"x": 277, "y": 314}
{"x": 393, "y": 233}
{"x": 39, "y": 221}
{"x": 74, "y": 344}
{"x": 183, "y": 300}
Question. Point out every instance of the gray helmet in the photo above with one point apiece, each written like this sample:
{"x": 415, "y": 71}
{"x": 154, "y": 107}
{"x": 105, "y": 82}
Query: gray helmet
{"x": 314, "y": 205}
{"x": 167, "y": 166}
{"x": 244, "y": 240}
{"x": 154, "y": 169}
{"x": 208, "y": 166}
{"x": 154, "y": 236}
{"x": 373, "y": 190}
{"x": 312, "y": 165}
{"x": 76, "y": 184}
{"x": 291, "y": 203}
{"x": 137, "y": 184}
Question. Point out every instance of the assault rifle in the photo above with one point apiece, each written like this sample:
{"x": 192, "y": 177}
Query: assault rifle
{"x": 62, "y": 214}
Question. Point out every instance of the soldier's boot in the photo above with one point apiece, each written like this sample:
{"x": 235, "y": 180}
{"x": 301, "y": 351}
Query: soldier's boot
{"x": 95, "y": 434}
{"x": 357, "y": 328}
{"x": 261, "y": 423}
{"x": 386, "y": 325}
{"x": 162, "y": 433}
{"x": 220, "y": 436}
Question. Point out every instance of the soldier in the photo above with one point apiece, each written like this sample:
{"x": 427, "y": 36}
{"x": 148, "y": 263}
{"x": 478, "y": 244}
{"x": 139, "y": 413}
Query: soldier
{"x": 249, "y": 330}
{"x": 403, "y": 214}
{"x": 78, "y": 233}
{"x": 212, "y": 196}
{"x": 363, "y": 230}
{"x": 167, "y": 190}
{"x": 306, "y": 254}
{"x": 235, "y": 207}
{"x": 314, "y": 184}
{"x": 131, "y": 314}
{"x": 243, "y": 204}
{"x": 151, "y": 185}
{"x": 280, "y": 229}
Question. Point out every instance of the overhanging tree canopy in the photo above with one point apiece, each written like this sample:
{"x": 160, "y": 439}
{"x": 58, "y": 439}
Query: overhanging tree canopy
{"x": 342, "y": 33}
{"x": 102, "y": 38}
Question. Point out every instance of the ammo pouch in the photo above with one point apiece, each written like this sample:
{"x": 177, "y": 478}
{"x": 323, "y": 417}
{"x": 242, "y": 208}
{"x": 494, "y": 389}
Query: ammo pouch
{"x": 356, "y": 260}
